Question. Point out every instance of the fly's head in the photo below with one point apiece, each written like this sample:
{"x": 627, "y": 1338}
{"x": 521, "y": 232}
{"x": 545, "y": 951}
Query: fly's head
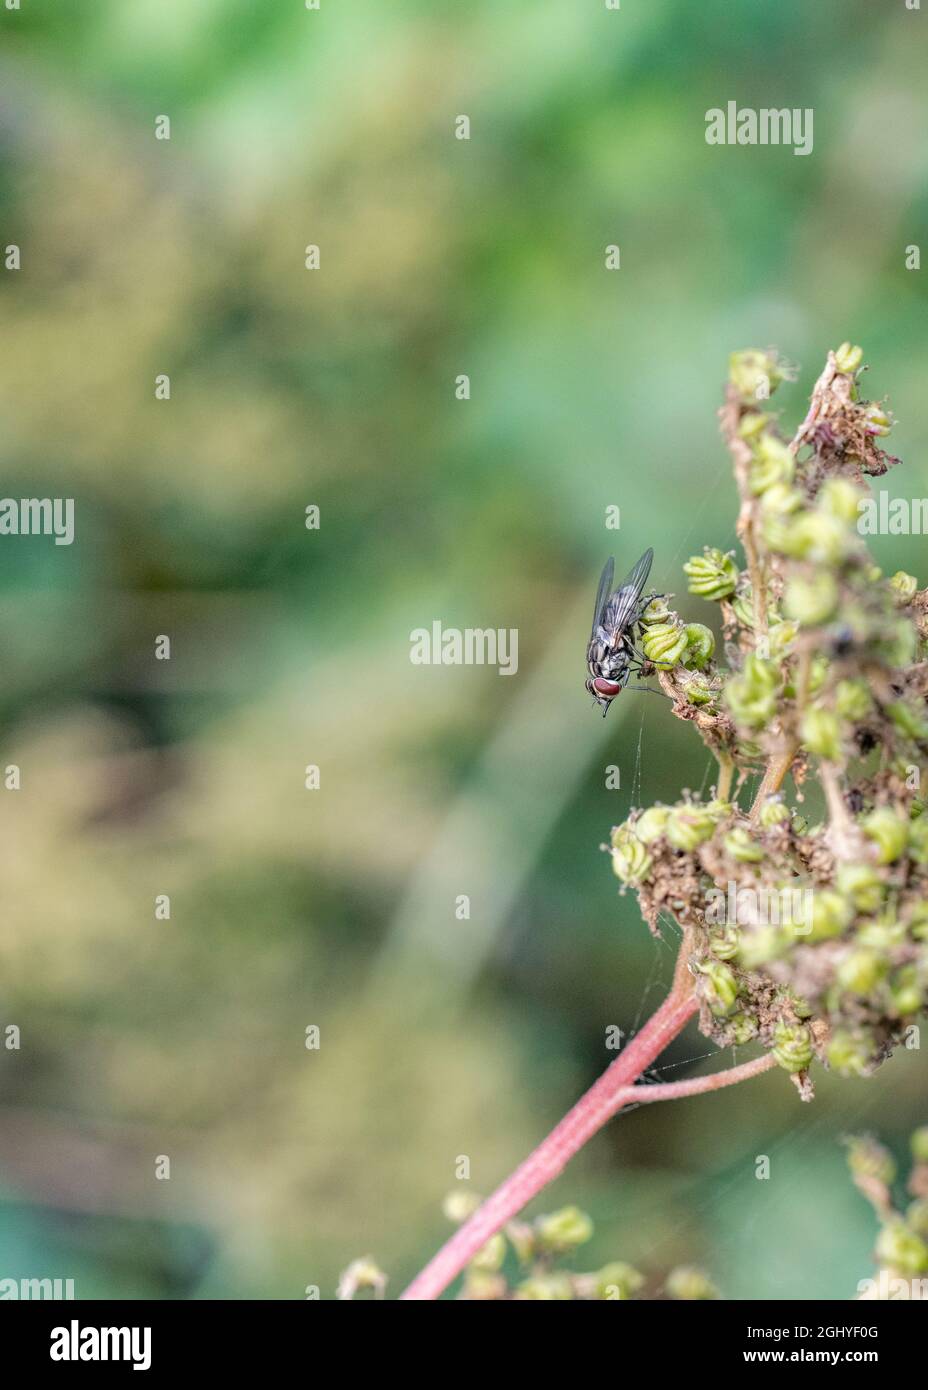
{"x": 603, "y": 691}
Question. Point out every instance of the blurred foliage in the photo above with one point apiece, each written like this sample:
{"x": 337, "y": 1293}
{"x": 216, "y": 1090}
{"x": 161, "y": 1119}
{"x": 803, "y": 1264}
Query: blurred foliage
{"x": 335, "y": 908}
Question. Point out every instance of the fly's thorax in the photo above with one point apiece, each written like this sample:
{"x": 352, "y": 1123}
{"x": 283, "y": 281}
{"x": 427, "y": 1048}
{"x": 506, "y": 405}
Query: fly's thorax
{"x": 615, "y": 664}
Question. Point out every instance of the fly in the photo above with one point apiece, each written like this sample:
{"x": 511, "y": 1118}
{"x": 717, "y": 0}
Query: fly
{"x": 611, "y": 654}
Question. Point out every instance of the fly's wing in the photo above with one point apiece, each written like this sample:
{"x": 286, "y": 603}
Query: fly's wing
{"x": 624, "y": 602}
{"x": 602, "y": 593}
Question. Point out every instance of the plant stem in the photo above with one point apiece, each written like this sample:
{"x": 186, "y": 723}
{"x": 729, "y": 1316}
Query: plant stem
{"x": 819, "y": 394}
{"x": 726, "y": 768}
{"x": 700, "y": 1085}
{"x": 780, "y": 764}
{"x": 599, "y": 1104}
{"x": 777, "y": 768}
{"x": 845, "y": 839}
{"x": 611, "y": 1093}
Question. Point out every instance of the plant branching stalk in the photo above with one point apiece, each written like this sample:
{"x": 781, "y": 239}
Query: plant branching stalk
{"x": 778, "y": 767}
{"x": 599, "y": 1104}
{"x": 614, "y": 1090}
{"x": 845, "y": 839}
{"x": 819, "y": 394}
{"x": 726, "y": 769}
{"x": 699, "y": 1085}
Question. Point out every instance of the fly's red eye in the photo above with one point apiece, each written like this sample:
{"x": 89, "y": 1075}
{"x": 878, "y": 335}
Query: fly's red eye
{"x": 607, "y": 688}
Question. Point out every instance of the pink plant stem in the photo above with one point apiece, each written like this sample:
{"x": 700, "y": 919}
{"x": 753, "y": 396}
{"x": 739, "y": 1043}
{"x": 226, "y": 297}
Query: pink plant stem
{"x": 599, "y": 1104}
{"x": 698, "y": 1085}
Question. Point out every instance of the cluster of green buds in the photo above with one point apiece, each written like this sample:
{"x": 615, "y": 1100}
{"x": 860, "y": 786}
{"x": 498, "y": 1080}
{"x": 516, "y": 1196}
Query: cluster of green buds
{"x": 668, "y": 642}
{"x": 836, "y": 970}
{"x": 901, "y": 1250}
{"x": 523, "y": 1262}
{"x": 826, "y": 680}
{"x": 712, "y": 575}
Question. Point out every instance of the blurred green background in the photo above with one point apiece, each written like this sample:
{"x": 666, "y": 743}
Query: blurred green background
{"x": 289, "y": 647}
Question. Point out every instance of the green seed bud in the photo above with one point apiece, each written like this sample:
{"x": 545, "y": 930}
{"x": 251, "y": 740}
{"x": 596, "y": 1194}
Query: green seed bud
{"x": 899, "y": 643}
{"x": 664, "y": 644}
{"x": 711, "y": 575}
{"x": 860, "y": 971}
{"x": 918, "y": 923}
{"x": 904, "y": 587}
{"x": 483, "y": 1287}
{"x": 690, "y": 1285}
{"x": 888, "y": 831}
{"x": 902, "y": 1249}
{"x": 459, "y": 1205}
{"x": 689, "y": 826}
{"x": 850, "y": 1054}
{"x": 811, "y": 601}
{"x": 862, "y": 884}
{"x": 883, "y": 934}
{"x": 622, "y": 834}
{"x": 781, "y": 638}
{"x": 919, "y": 1144}
{"x": 657, "y": 611}
{"x": 818, "y": 674}
{"x": 918, "y": 840}
{"x": 724, "y": 942}
{"x": 755, "y": 375}
{"x": 869, "y": 1160}
{"x": 821, "y": 733}
{"x": 719, "y": 986}
{"x": 631, "y": 861}
{"x": 908, "y": 720}
{"x": 852, "y": 700}
{"x": 776, "y": 529}
{"x": 700, "y": 646}
{"x": 772, "y": 464}
{"x": 698, "y": 688}
{"x": 719, "y": 810}
{"x": 800, "y": 824}
{"x": 739, "y": 844}
{"x": 823, "y": 538}
{"x": 841, "y": 499}
{"x": 781, "y": 500}
{"x": 751, "y": 695}
{"x": 801, "y": 1007}
{"x": 742, "y": 1029}
{"x": 490, "y": 1258}
{"x": 817, "y": 536}
{"x": 361, "y": 1274}
{"x": 554, "y": 1287}
{"x": 792, "y": 1046}
{"x": 906, "y": 991}
{"x": 878, "y": 421}
{"x": 563, "y": 1230}
{"x": 617, "y": 1281}
{"x": 651, "y": 824}
{"x": 743, "y": 605}
{"x": 761, "y": 946}
{"x": 848, "y": 358}
{"x": 831, "y": 915}
{"x": 916, "y": 1217}
{"x": 773, "y": 812}
{"x": 752, "y": 424}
